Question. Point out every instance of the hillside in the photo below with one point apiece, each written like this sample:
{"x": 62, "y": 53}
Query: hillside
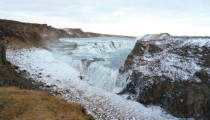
{"x": 21, "y": 104}
{"x": 21, "y": 34}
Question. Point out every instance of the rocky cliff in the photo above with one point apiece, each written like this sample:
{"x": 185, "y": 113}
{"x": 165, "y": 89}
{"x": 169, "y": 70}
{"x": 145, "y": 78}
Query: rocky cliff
{"x": 26, "y": 34}
{"x": 30, "y": 34}
{"x": 170, "y": 71}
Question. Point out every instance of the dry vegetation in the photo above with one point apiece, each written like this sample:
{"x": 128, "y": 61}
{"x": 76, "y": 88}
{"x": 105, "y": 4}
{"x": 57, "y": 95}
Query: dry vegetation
{"x": 21, "y": 104}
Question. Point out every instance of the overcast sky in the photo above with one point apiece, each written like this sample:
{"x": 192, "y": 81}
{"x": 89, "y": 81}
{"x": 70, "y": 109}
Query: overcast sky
{"x": 125, "y": 17}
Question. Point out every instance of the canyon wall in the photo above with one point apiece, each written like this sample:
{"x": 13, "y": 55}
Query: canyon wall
{"x": 170, "y": 71}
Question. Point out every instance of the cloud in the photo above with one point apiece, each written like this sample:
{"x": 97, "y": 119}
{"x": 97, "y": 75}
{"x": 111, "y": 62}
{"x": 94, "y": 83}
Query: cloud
{"x": 129, "y": 17}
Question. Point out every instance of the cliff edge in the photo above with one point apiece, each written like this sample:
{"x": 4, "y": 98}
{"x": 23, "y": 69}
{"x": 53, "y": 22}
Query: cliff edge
{"x": 171, "y": 71}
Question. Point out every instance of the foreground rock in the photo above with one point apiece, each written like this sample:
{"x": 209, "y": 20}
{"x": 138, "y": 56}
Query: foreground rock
{"x": 36, "y": 105}
{"x": 170, "y": 71}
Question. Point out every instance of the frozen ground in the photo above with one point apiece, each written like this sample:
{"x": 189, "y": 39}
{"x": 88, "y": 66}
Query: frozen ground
{"x": 63, "y": 79}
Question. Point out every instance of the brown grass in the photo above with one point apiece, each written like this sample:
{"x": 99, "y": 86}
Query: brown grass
{"x": 21, "y": 104}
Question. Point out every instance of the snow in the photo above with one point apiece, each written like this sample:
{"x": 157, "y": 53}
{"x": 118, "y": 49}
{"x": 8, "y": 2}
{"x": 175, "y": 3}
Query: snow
{"x": 149, "y": 37}
{"x": 168, "y": 62}
{"x": 42, "y": 66}
{"x": 48, "y": 68}
{"x": 68, "y": 31}
{"x": 199, "y": 42}
{"x": 168, "y": 65}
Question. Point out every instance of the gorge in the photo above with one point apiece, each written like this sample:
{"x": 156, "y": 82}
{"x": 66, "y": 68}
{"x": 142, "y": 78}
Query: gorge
{"x": 99, "y": 71}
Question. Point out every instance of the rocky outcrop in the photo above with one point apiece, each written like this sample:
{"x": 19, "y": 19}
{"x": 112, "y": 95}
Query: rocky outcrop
{"x": 2, "y": 54}
{"x": 8, "y": 75}
{"x": 170, "y": 71}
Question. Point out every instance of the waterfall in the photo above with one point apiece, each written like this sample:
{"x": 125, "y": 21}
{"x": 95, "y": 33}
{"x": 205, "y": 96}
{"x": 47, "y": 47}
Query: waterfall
{"x": 97, "y": 59}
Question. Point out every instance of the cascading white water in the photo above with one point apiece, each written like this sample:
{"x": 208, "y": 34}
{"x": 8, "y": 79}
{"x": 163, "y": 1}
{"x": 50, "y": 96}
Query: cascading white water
{"x": 97, "y": 59}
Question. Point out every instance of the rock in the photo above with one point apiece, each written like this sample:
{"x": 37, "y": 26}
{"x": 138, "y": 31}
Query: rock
{"x": 8, "y": 75}
{"x": 170, "y": 71}
{"x": 29, "y": 34}
{"x": 2, "y": 54}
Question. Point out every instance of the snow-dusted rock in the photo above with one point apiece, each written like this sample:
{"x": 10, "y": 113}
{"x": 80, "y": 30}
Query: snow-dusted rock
{"x": 171, "y": 71}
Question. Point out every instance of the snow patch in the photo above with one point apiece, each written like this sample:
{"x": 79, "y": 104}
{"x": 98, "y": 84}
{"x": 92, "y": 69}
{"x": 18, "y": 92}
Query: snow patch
{"x": 68, "y": 31}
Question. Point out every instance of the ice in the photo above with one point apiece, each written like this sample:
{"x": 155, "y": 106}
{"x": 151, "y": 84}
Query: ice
{"x": 63, "y": 79}
{"x": 199, "y": 42}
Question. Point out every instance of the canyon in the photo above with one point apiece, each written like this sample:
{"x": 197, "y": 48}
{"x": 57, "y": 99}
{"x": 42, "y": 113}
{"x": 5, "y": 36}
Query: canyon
{"x": 99, "y": 71}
